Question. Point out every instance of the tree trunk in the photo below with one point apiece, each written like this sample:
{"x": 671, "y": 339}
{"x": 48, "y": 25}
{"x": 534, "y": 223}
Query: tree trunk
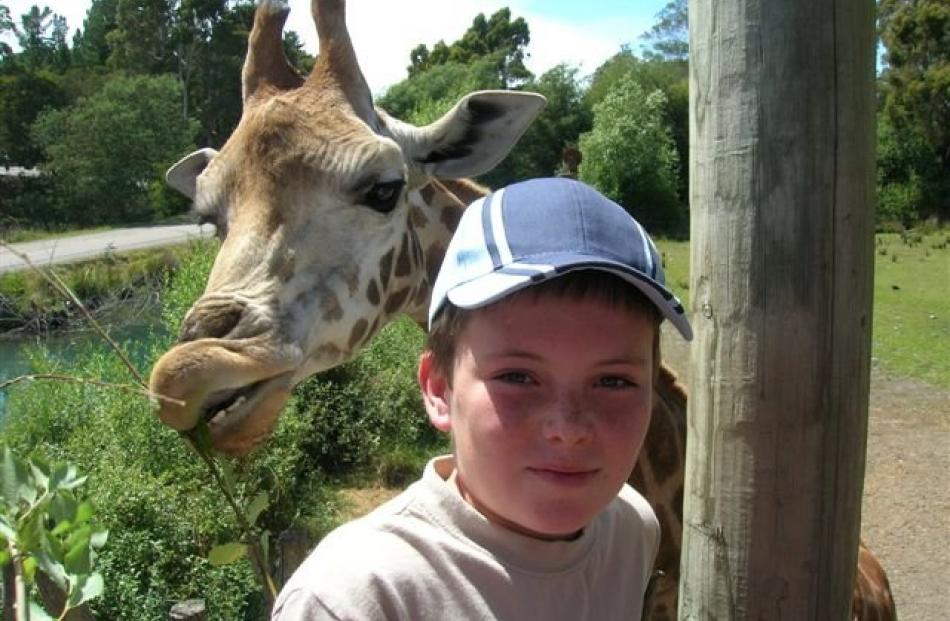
{"x": 782, "y": 171}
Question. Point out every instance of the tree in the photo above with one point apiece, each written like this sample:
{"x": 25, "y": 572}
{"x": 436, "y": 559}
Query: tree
{"x": 6, "y": 26}
{"x": 561, "y": 122}
{"x": 496, "y": 37}
{"x": 629, "y": 155}
{"x": 916, "y": 92}
{"x": 669, "y": 76}
{"x": 425, "y": 96}
{"x": 669, "y": 37}
{"x": 90, "y": 45}
{"x": 105, "y": 150}
{"x": 41, "y": 36}
{"x": 23, "y": 96}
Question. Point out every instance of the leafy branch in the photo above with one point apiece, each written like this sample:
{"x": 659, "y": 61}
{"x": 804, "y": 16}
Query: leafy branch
{"x": 44, "y": 525}
{"x": 254, "y": 542}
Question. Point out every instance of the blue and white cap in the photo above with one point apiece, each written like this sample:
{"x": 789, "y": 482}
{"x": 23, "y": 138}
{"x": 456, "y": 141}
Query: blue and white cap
{"x": 539, "y": 229}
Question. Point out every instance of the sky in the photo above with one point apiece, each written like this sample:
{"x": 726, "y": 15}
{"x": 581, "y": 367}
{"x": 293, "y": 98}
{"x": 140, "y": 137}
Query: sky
{"x": 583, "y": 33}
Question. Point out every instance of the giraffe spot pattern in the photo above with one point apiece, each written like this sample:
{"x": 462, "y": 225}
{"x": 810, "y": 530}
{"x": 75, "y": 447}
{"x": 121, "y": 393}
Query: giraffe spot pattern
{"x": 386, "y": 268}
{"x": 661, "y": 448}
{"x": 356, "y": 335}
{"x": 372, "y": 293}
{"x": 451, "y": 216}
{"x": 433, "y": 259}
{"x": 428, "y": 193}
{"x": 403, "y": 265}
{"x": 372, "y": 330}
{"x": 417, "y": 217}
{"x": 397, "y": 300}
{"x": 330, "y": 305}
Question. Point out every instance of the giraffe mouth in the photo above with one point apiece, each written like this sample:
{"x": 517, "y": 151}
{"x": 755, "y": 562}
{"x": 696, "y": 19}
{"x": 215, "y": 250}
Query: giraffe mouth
{"x": 239, "y": 419}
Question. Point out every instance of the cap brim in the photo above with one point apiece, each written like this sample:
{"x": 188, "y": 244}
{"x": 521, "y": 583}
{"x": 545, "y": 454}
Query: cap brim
{"x": 493, "y": 286}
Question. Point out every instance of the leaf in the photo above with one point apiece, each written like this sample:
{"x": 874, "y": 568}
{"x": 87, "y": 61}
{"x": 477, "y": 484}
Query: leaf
{"x": 52, "y": 568}
{"x": 256, "y": 507}
{"x": 4, "y": 557}
{"x": 38, "y": 613}
{"x": 227, "y": 553}
{"x": 265, "y": 546}
{"x": 13, "y": 477}
{"x": 7, "y": 530}
{"x": 98, "y": 538}
{"x": 90, "y": 588}
{"x": 84, "y": 512}
{"x": 227, "y": 474}
{"x": 63, "y": 506}
{"x": 29, "y": 569}
{"x": 78, "y": 558}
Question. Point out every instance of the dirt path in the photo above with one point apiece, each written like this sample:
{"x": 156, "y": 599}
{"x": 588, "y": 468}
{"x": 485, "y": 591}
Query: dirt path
{"x": 906, "y": 514}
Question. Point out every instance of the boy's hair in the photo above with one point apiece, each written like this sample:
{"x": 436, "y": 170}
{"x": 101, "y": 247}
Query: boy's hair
{"x": 579, "y": 285}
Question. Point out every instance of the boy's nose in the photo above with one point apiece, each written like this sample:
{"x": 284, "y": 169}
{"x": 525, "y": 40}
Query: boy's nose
{"x": 567, "y": 422}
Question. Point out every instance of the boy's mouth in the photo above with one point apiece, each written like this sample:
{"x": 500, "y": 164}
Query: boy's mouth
{"x": 570, "y": 477}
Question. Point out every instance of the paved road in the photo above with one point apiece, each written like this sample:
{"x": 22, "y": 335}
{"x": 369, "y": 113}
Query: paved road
{"x": 68, "y": 249}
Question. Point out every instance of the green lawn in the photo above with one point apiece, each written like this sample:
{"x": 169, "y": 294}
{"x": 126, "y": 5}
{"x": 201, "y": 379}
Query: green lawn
{"x": 911, "y": 301}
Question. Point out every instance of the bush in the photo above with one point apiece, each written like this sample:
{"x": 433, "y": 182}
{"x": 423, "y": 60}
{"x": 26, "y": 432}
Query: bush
{"x": 104, "y": 150}
{"x": 629, "y": 155}
{"x": 157, "y": 499}
{"x": 368, "y": 408}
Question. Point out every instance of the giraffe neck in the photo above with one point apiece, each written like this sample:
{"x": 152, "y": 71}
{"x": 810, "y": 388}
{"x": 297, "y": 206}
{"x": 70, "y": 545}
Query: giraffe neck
{"x": 434, "y": 213}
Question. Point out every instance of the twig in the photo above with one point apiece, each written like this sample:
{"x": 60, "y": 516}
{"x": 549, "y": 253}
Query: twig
{"x": 271, "y": 589}
{"x": 61, "y": 287}
{"x": 141, "y": 390}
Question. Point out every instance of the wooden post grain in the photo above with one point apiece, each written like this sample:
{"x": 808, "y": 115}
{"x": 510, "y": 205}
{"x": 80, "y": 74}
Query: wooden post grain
{"x": 782, "y": 170}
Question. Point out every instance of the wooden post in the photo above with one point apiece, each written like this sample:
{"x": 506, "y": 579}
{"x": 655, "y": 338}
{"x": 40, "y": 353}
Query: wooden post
{"x": 782, "y": 170}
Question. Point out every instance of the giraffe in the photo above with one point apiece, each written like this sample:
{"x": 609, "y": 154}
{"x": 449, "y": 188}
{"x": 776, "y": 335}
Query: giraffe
{"x": 334, "y": 218}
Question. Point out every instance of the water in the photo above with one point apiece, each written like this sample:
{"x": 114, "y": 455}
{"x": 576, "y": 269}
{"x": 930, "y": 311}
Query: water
{"x": 134, "y": 334}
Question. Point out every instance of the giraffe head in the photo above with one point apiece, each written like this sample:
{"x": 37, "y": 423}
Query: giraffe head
{"x": 311, "y": 198}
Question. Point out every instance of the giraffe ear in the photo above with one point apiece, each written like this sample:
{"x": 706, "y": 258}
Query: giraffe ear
{"x": 473, "y": 137}
{"x": 184, "y": 173}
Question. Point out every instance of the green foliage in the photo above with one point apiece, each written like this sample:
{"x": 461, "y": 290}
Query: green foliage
{"x": 424, "y": 97}
{"x": 367, "y": 407}
{"x": 629, "y": 155}
{"x": 561, "y": 122}
{"x": 912, "y": 305}
{"x": 669, "y": 37}
{"x": 23, "y": 96}
{"x": 46, "y": 526}
{"x": 498, "y": 38}
{"x": 915, "y": 92}
{"x": 669, "y": 76}
{"x": 105, "y": 149}
{"x": 27, "y": 300}
{"x": 164, "y": 515}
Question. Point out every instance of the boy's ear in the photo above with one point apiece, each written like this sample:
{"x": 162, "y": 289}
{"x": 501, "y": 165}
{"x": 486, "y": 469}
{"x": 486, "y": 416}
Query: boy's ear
{"x": 435, "y": 392}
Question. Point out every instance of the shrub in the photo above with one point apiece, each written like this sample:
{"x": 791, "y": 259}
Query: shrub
{"x": 630, "y": 156}
{"x": 156, "y": 498}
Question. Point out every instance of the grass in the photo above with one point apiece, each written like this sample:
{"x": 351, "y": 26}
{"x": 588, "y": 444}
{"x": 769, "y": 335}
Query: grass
{"x": 911, "y": 301}
{"x": 17, "y": 235}
{"x": 26, "y": 297}
{"x": 912, "y": 306}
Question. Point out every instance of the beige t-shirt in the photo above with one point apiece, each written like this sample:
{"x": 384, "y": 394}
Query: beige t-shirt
{"x": 428, "y": 555}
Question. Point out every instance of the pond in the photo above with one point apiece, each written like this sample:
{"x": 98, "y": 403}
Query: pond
{"x": 135, "y": 333}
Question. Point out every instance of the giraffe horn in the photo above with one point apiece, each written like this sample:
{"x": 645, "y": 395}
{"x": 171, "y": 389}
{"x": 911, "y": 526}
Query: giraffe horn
{"x": 266, "y": 68}
{"x": 337, "y": 57}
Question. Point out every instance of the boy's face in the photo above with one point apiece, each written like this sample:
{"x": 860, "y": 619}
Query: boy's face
{"x": 548, "y": 406}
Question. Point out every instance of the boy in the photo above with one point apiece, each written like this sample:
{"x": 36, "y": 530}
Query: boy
{"x": 542, "y": 352}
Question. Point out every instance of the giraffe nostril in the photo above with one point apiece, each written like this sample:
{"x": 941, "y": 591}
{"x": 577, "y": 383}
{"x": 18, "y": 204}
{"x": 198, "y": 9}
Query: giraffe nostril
{"x": 211, "y": 320}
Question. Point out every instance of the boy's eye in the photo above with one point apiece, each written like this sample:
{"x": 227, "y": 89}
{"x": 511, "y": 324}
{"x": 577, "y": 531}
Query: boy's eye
{"x": 514, "y": 377}
{"x": 615, "y": 381}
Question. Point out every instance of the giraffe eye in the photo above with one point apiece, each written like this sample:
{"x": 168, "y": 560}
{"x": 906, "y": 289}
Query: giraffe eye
{"x": 383, "y": 197}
